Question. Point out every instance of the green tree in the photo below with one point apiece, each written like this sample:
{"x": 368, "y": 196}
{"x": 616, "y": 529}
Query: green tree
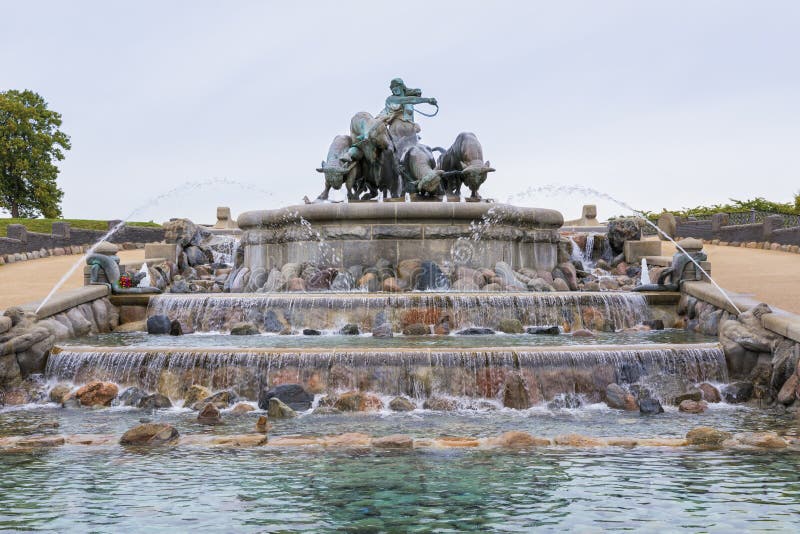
{"x": 30, "y": 144}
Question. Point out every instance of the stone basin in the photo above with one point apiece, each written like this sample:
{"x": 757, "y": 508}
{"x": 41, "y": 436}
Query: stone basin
{"x": 341, "y": 235}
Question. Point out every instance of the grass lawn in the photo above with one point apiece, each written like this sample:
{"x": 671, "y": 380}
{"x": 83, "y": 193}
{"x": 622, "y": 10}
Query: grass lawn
{"x": 45, "y": 226}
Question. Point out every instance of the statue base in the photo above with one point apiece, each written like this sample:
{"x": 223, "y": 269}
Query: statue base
{"x": 475, "y": 234}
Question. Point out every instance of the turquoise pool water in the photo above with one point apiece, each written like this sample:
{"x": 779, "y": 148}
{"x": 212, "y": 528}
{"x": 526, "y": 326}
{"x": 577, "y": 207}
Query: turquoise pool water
{"x": 112, "y": 489}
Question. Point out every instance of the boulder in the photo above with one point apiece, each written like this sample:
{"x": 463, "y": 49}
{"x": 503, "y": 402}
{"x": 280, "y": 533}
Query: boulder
{"x": 409, "y": 270}
{"x": 97, "y": 393}
{"x": 692, "y": 406}
{"x": 694, "y": 395}
{"x": 569, "y": 275}
{"x": 154, "y": 402}
{"x": 465, "y": 285}
{"x": 440, "y": 404}
{"x": 368, "y": 282}
{"x": 710, "y": 393}
{"x": 358, "y": 401}
{"x": 349, "y": 329}
{"x": 515, "y": 392}
{"x": 475, "y": 331}
{"x": 278, "y": 410}
{"x": 565, "y": 400}
{"x": 383, "y": 330}
{"x": 578, "y": 440}
{"x": 244, "y": 329}
{"x": 275, "y": 282}
{"x": 159, "y": 325}
{"x": 322, "y": 280}
{"x": 291, "y": 270}
{"x": 311, "y": 332}
{"x": 510, "y": 326}
{"x": 196, "y": 256}
{"x": 416, "y": 329}
{"x": 392, "y": 285}
{"x": 296, "y": 284}
{"x": 275, "y": 322}
{"x": 442, "y": 328}
{"x": 621, "y": 230}
{"x": 543, "y": 330}
{"x": 737, "y": 392}
{"x": 262, "y": 424}
{"x": 175, "y": 328}
{"x": 394, "y": 441}
{"x": 788, "y": 392}
{"x": 650, "y": 407}
{"x": 507, "y": 275}
{"x": 242, "y": 408}
{"x": 519, "y": 440}
{"x": 132, "y": 396}
{"x": 431, "y": 277}
{"x": 582, "y": 332}
{"x": 194, "y": 394}
{"x": 618, "y": 398}
{"x": 293, "y": 395}
{"x": 655, "y": 324}
{"x": 209, "y": 415}
{"x": 707, "y": 436}
{"x": 542, "y": 286}
{"x": 14, "y": 397}
{"x": 764, "y": 440}
{"x": 343, "y": 281}
{"x": 183, "y": 232}
{"x": 220, "y": 399}
{"x": 401, "y": 404}
{"x": 150, "y": 434}
{"x": 60, "y": 393}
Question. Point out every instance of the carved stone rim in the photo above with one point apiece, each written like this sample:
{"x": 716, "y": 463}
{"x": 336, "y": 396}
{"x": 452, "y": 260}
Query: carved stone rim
{"x": 397, "y": 212}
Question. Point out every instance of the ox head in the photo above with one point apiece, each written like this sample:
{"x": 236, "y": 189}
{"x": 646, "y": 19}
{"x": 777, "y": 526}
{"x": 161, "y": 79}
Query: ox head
{"x": 431, "y": 183}
{"x": 334, "y": 176}
{"x": 474, "y": 174}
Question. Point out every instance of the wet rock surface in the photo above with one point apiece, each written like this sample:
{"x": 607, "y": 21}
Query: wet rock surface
{"x": 97, "y": 393}
{"x": 150, "y": 434}
{"x": 650, "y": 407}
{"x": 293, "y": 395}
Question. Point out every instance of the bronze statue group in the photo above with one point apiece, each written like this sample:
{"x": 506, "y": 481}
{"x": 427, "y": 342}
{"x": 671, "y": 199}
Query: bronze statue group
{"x": 382, "y": 155}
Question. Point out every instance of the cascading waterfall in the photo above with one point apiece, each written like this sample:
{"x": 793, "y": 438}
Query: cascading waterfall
{"x": 420, "y": 373}
{"x": 604, "y": 311}
{"x": 588, "y": 252}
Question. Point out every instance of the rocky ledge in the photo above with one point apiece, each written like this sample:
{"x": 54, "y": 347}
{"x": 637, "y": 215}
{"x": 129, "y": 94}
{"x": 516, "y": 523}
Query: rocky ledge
{"x": 162, "y": 434}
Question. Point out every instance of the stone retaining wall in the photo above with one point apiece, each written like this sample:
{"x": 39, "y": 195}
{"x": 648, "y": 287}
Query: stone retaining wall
{"x": 27, "y": 336}
{"x": 20, "y": 241}
{"x": 762, "y": 346}
{"x": 58, "y": 251}
{"x": 717, "y": 228}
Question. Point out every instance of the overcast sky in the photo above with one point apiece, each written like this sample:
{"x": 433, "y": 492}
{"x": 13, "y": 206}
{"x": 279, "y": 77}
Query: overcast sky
{"x": 662, "y": 105}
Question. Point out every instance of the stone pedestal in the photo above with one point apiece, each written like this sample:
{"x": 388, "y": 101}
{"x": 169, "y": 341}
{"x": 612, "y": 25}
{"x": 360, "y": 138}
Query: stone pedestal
{"x": 636, "y": 250}
{"x": 342, "y": 235}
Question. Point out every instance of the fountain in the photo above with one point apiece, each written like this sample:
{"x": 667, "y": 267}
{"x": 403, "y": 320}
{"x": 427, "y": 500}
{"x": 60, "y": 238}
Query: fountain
{"x": 406, "y": 317}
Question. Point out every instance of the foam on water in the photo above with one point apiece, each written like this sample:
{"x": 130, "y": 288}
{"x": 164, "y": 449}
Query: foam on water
{"x": 608, "y": 311}
{"x": 418, "y": 373}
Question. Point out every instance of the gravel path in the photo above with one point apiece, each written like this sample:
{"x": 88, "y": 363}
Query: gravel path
{"x": 770, "y": 276}
{"x": 31, "y": 280}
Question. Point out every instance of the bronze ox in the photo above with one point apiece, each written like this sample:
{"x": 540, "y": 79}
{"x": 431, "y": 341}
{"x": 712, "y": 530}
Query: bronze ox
{"x": 373, "y": 148}
{"x": 463, "y": 164}
{"x": 419, "y": 171}
{"x": 335, "y": 172}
